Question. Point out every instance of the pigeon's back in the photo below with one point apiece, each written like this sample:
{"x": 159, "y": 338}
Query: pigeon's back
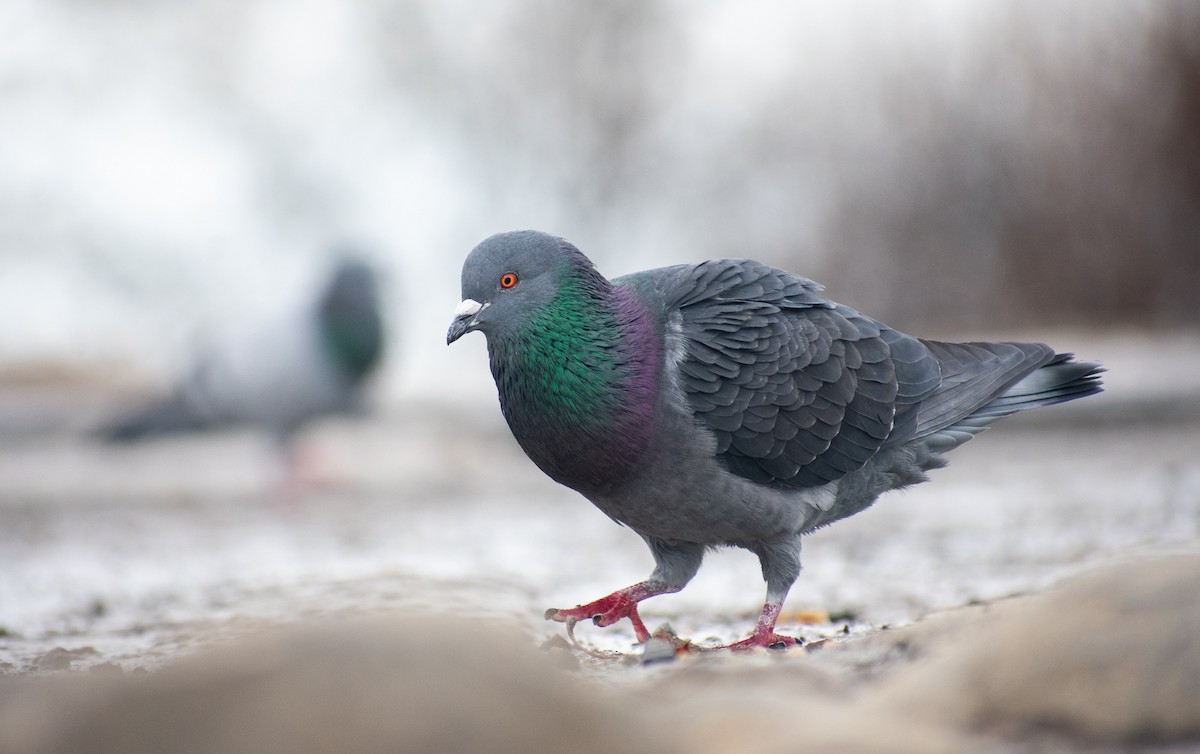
{"x": 277, "y": 377}
{"x": 800, "y": 391}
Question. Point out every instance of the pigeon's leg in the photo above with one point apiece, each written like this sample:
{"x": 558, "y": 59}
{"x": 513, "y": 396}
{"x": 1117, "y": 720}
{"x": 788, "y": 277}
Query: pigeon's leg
{"x": 301, "y": 471}
{"x": 675, "y": 565}
{"x": 620, "y": 604}
{"x": 781, "y": 567}
{"x": 764, "y": 631}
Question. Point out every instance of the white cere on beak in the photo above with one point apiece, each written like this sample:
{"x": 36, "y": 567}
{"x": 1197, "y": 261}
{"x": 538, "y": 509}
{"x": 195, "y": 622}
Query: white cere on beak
{"x": 468, "y": 307}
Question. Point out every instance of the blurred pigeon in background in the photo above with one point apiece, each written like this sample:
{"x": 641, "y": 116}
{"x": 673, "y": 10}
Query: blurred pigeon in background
{"x": 307, "y": 364}
{"x": 726, "y": 403}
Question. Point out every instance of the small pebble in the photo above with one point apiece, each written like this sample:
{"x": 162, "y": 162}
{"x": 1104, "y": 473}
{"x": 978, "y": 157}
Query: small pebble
{"x": 658, "y": 649}
{"x": 56, "y": 659}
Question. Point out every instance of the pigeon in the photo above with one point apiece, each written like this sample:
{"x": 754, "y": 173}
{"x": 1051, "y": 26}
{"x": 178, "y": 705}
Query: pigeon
{"x": 279, "y": 376}
{"x": 726, "y": 403}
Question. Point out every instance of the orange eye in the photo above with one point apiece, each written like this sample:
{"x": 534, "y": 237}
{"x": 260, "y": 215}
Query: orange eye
{"x": 508, "y": 280}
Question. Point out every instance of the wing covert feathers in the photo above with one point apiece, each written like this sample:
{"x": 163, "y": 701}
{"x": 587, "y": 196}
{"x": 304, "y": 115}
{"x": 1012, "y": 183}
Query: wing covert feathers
{"x": 800, "y": 391}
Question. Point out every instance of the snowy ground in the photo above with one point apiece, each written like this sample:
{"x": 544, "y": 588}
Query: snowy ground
{"x": 148, "y": 552}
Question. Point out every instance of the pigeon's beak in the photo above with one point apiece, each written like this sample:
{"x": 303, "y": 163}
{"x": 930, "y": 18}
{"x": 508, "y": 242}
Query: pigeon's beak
{"x": 464, "y": 319}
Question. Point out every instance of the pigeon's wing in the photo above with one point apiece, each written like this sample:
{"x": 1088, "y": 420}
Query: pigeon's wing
{"x": 798, "y": 390}
{"x": 279, "y": 377}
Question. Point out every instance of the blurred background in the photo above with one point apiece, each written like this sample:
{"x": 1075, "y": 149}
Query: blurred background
{"x": 174, "y": 172}
{"x": 170, "y": 167}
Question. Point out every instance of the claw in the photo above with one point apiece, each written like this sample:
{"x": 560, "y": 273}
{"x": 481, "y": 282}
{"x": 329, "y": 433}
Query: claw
{"x": 611, "y": 616}
{"x": 598, "y": 653}
{"x": 620, "y": 604}
{"x": 767, "y": 641}
{"x": 764, "y": 633}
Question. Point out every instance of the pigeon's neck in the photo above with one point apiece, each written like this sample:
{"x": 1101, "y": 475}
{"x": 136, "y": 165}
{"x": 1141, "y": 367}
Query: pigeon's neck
{"x": 352, "y": 336}
{"x": 578, "y": 383}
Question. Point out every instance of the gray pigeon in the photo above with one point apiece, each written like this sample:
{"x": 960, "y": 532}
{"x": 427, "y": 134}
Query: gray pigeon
{"x": 281, "y": 374}
{"x": 726, "y": 402}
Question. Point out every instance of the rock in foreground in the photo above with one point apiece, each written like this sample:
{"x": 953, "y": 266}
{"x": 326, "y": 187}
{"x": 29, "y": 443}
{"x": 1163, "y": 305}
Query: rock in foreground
{"x": 1111, "y": 658}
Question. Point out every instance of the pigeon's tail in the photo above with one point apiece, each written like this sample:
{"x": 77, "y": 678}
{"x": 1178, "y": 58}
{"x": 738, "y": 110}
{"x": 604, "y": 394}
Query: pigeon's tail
{"x": 1060, "y": 380}
{"x": 174, "y": 414}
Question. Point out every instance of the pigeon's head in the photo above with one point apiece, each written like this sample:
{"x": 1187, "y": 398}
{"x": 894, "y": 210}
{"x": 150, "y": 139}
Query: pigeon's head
{"x": 352, "y": 288}
{"x": 509, "y": 275}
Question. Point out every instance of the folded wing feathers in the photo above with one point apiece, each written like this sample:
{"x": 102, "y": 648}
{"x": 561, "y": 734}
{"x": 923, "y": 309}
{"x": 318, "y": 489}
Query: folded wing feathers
{"x": 776, "y": 379}
{"x": 800, "y": 391}
{"x": 741, "y": 280}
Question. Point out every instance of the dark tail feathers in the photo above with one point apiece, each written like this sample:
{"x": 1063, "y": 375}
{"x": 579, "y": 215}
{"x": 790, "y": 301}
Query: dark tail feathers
{"x": 1060, "y": 380}
{"x": 171, "y": 415}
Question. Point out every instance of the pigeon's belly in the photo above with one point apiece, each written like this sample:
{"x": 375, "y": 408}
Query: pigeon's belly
{"x": 714, "y": 507}
{"x": 684, "y": 493}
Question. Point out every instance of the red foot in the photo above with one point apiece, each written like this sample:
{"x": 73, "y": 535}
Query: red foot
{"x": 764, "y": 632}
{"x": 770, "y": 640}
{"x": 608, "y": 610}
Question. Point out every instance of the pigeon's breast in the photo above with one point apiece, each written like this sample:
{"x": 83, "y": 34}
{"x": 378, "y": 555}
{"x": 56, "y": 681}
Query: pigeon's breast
{"x": 581, "y": 400}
